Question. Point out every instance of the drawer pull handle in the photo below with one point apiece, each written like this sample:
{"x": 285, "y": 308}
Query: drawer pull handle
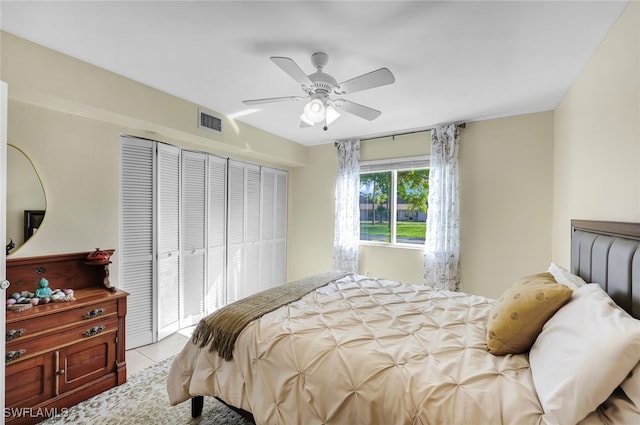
{"x": 60, "y": 372}
{"x": 14, "y": 355}
{"x": 94, "y": 331}
{"x": 93, "y": 313}
{"x": 14, "y": 333}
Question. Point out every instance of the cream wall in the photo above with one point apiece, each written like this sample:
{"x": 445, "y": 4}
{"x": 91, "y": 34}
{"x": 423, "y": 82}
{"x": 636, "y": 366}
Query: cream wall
{"x": 597, "y": 137}
{"x": 67, "y": 116}
{"x": 78, "y": 160}
{"x": 311, "y": 214}
{"x": 506, "y": 178}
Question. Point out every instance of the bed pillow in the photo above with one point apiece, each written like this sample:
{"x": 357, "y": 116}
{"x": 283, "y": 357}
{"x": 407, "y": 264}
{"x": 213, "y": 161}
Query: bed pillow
{"x": 517, "y": 317}
{"x": 565, "y": 277}
{"x": 623, "y": 406}
{"x": 582, "y": 354}
{"x": 631, "y": 386}
{"x": 618, "y": 410}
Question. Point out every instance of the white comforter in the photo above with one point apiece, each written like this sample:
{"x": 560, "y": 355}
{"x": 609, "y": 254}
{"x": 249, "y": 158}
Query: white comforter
{"x": 366, "y": 351}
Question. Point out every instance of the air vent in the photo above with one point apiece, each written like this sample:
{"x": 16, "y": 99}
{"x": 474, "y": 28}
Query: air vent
{"x": 208, "y": 121}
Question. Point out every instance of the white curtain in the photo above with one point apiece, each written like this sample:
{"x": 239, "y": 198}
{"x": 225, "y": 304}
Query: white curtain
{"x": 347, "y": 228}
{"x": 442, "y": 242}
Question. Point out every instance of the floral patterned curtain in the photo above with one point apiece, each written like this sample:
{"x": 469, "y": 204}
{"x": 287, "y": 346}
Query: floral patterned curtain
{"x": 442, "y": 242}
{"x": 347, "y": 227}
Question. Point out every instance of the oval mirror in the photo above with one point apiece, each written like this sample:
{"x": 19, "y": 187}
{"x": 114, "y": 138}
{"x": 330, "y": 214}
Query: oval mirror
{"x": 26, "y": 202}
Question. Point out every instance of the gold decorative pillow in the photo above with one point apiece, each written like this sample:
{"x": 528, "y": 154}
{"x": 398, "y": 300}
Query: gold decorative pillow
{"x": 516, "y": 319}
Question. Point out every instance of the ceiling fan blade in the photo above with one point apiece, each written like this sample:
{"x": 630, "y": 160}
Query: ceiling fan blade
{"x": 273, "y": 99}
{"x": 377, "y": 78}
{"x": 292, "y": 68}
{"x": 357, "y": 109}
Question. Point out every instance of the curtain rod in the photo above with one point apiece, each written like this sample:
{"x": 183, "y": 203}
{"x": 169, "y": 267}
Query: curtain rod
{"x": 460, "y": 125}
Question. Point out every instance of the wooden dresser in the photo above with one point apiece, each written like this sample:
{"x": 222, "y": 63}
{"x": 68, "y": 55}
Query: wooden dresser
{"x": 59, "y": 354}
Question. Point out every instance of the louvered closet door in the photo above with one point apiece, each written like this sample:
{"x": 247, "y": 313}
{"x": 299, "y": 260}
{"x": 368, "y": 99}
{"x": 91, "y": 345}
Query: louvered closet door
{"x": 273, "y": 229}
{"x": 280, "y": 231}
{"x": 235, "y": 230}
{"x": 267, "y": 245}
{"x": 243, "y": 230}
{"x": 215, "y": 292}
{"x": 194, "y": 195}
{"x": 137, "y": 271}
{"x": 253, "y": 276}
{"x": 168, "y": 231}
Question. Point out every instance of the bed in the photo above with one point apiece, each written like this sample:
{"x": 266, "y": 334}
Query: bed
{"x": 361, "y": 350}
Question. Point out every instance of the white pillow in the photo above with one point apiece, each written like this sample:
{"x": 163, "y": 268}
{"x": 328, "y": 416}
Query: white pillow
{"x": 565, "y": 277}
{"x": 618, "y": 410}
{"x": 631, "y": 386}
{"x": 623, "y": 406}
{"x": 583, "y": 353}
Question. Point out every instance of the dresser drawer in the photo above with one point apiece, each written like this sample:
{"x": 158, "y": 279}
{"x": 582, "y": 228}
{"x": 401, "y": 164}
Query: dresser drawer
{"x": 38, "y": 325}
{"x": 23, "y": 348}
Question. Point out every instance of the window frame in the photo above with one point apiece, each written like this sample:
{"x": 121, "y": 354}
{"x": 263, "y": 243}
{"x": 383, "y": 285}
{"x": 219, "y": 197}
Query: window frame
{"x": 394, "y": 165}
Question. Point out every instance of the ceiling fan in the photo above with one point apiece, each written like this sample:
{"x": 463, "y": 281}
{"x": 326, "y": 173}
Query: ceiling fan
{"x": 319, "y": 86}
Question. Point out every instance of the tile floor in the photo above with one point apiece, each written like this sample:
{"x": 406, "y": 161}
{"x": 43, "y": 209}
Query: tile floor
{"x": 142, "y": 357}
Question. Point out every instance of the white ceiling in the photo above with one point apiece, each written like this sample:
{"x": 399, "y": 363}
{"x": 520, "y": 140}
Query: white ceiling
{"x": 453, "y": 61}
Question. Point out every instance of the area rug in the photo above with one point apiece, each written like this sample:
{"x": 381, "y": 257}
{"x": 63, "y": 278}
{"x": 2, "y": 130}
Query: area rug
{"x": 143, "y": 400}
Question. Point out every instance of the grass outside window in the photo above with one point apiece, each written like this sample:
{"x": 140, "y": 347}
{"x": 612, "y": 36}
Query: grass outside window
{"x": 406, "y": 232}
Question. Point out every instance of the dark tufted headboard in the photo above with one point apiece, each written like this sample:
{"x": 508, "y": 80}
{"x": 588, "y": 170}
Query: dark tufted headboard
{"x": 608, "y": 253}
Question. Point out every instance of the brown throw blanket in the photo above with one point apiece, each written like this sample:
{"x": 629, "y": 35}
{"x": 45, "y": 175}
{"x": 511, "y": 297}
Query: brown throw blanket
{"x": 222, "y": 327}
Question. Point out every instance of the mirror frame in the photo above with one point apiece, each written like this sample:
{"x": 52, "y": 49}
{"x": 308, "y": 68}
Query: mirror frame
{"x": 33, "y": 219}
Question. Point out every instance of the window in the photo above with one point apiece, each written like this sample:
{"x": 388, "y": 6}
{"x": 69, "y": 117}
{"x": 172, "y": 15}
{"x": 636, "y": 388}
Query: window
{"x": 393, "y": 200}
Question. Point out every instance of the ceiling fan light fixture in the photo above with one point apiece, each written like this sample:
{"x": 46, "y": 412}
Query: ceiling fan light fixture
{"x": 314, "y": 111}
{"x": 306, "y": 120}
{"x": 319, "y": 86}
{"x": 331, "y": 115}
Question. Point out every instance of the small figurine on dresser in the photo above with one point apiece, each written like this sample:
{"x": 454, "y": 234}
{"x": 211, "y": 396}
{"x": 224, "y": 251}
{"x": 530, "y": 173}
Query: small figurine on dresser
{"x": 43, "y": 289}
